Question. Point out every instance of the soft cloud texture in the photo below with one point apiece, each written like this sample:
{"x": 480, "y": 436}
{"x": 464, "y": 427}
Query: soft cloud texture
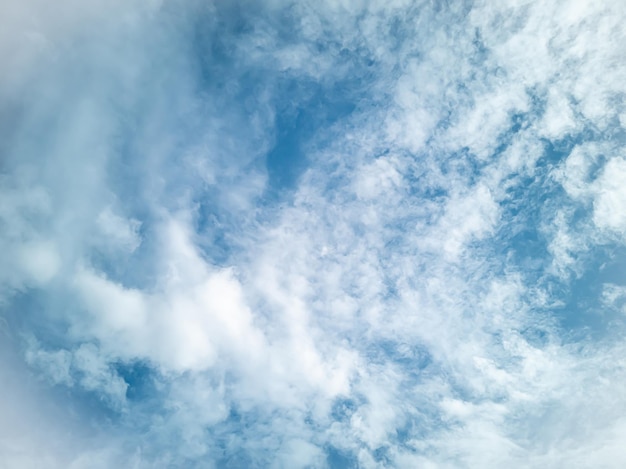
{"x": 335, "y": 234}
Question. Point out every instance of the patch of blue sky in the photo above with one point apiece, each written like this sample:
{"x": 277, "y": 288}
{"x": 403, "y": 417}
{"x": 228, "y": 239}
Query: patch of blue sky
{"x": 411, "y": 358}
{"x": 339, "y": 459}
{"x": 297, "y": 123}
{"x": 141, "y": 378}
{"x": 27, "y": 315}
{"x": 583, "y": 313}
{"x": 231, "y": 440}
{"x": 531, "y": 203}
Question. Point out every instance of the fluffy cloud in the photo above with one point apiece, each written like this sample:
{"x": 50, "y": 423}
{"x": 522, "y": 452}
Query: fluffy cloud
{"x": 313, "y": 235}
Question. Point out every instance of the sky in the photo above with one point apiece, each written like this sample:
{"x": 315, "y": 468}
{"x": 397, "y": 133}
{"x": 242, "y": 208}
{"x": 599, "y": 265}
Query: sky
{"x": 312, "y": 234}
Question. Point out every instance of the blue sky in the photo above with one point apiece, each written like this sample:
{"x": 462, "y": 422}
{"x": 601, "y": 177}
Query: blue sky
{"x": 335, "y": 234}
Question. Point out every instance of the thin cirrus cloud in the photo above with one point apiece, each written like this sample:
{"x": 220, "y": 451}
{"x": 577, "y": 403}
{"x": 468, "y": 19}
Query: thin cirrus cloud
{"x": 334, "y": 234}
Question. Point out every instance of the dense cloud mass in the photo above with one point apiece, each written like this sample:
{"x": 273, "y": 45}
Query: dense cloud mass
{"x": 319, "y": 234}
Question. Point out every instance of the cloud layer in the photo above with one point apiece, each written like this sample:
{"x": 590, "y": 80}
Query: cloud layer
{"x": 312, "y": 234}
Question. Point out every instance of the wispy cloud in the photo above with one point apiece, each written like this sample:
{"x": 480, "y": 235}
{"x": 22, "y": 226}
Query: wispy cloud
{"x": 313, "y": 235}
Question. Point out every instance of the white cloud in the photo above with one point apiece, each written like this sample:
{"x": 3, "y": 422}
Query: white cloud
{"x": 613, "y": 296}
{"x": 609, "y": 207}
{"x": 40, "y": 261}
{"x": 135, "y": 213}
{"x": 558, "y": 120}
{"x": 299, "y": 453}
{"x": 118, "y": 230}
